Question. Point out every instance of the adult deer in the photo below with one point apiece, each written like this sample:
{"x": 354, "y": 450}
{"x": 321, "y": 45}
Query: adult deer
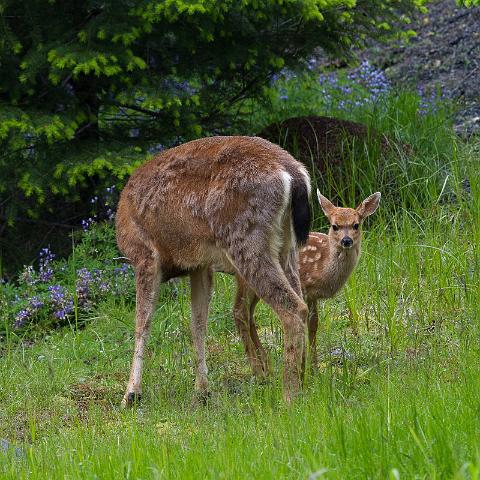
{"x": 240, "y": 203}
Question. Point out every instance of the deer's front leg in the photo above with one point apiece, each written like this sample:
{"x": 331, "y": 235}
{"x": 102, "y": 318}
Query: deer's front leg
{"x": 147, "y": 277}
{"x": 201, "y": 285}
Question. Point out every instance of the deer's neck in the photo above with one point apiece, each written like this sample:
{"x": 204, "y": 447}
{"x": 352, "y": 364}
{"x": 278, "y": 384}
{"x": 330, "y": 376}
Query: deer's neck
{"x": 340, "y": 265}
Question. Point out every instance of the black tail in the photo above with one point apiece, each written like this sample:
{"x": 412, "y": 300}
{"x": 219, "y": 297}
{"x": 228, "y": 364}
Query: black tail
{"x": 301, "y": 215}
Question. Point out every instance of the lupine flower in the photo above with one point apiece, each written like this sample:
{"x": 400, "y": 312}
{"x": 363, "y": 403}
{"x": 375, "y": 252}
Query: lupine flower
{"x": 274, "y": 79}
{"x": 35, "y": 303}
{"x": 84, "y": 282}
{"x": 122, "y": 275}
{"x": 371, "y": 81}
{"x": 21, "y": 317}
{"x": 87, "y": 223}
{"x": 311, "y": 63}
{"x": 430, "y": 102}
{"x": 61, "y": 301}
{"x": 45, "y": 270}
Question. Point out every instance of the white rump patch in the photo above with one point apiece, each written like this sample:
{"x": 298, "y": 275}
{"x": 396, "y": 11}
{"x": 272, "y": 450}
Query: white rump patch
{"x": 277, "y": 231}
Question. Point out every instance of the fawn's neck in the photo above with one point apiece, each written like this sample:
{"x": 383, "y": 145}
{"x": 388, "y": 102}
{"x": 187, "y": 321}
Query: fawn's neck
{"x": 340, "y": 264}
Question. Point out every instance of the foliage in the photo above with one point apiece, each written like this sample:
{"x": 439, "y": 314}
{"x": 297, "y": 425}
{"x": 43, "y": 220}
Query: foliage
{"x": 89, "y": 90}
{"x": 407, "y": 321}
{"x": 64, "y": 291}
{"x": 58, "y": 292}
{"x": 396, "y": 395}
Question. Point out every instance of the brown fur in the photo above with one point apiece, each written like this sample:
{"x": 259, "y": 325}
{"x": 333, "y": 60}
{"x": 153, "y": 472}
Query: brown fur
{"x": 325, "y": 265}
{"x": 215, "y": 202}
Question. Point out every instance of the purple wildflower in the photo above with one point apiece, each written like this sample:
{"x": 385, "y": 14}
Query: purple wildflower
{"x": 87, "y": 223}
{"x": 35, "y": 303}
{"x": 21, "y": 317}
{"x": 429, "y": 102}
{"x": 84, "y": 283}
{"x": 122, "y": 275}
{"x": 45, "y": 270}
{"x": 62, "y": 302}
{"x": 311, "y": 63}
{"x": 274, "y": 79}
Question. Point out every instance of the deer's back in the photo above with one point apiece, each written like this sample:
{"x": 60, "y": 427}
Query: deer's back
{"x": 189, "y": 198}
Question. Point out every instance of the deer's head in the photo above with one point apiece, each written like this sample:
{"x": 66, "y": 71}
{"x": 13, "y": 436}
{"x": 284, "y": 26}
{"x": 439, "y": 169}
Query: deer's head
{"x": 345, "y": 223}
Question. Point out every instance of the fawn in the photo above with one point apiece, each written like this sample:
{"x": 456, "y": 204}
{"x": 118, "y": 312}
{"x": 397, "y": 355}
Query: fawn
{"x": 327, "y": 261}
{"x": 238, "y": 202}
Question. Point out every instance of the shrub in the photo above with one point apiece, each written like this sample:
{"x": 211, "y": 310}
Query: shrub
{"x": 56, "y": 292}
{"x": 90, "y": 89}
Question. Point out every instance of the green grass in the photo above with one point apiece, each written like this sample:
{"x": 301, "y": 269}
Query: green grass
{"x": 397, "y": 394}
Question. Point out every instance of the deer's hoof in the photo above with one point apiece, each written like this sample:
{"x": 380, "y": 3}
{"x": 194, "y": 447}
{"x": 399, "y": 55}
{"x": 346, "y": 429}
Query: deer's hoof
{"x": 131, "y": 399}
{"x": 201, "y": 398}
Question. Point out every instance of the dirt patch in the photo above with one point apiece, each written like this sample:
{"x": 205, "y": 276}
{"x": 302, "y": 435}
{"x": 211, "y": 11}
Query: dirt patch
{"x": 87, "y": 394}
{"x": 445, "y": 54}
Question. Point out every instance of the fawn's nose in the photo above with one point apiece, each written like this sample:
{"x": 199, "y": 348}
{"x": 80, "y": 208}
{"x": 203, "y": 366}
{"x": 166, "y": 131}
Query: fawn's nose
{"x": 346, "y": 242}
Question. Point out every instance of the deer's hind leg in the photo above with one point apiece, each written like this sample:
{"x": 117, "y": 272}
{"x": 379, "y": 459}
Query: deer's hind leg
{"x": 264, "y": 275}
{"x": 289, "y": 258}
{"x": 147, "y": 277}
{"x": 243, "y": 313}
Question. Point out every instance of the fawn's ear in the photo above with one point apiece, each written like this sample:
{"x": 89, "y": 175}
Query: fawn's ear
{"x": 369, "y": 205}
{"x": 327, "y": 206}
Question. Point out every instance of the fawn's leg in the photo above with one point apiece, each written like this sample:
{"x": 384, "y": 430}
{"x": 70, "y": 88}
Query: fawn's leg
{"x": 245, "y": 302}
{"x": 312, "y": 331}
{"x": 265, "y": 276}
{"x": 201, "y": 285}
{"x": 147, "y": 277}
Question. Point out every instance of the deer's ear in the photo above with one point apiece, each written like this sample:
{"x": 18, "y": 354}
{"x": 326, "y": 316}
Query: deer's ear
{"x": 369, "y": 205}
{"x": 327, "y": 206}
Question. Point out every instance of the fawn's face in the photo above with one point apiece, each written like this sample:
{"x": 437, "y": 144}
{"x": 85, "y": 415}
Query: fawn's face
{"x": 345, "y": 223}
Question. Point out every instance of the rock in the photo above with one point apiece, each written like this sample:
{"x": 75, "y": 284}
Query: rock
{"x": 322, "y": 142}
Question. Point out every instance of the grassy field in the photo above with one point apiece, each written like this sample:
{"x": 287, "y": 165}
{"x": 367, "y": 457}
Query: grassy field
{"x": 397, "y": 394}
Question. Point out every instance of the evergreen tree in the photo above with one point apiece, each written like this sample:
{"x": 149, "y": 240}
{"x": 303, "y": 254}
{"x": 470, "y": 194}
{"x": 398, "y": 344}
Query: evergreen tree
{"x": 89, "y": 89}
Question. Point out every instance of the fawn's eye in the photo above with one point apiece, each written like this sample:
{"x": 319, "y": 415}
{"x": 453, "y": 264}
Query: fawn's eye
{"x": 335, "y": 227}
{"x": 355, "y": 226}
